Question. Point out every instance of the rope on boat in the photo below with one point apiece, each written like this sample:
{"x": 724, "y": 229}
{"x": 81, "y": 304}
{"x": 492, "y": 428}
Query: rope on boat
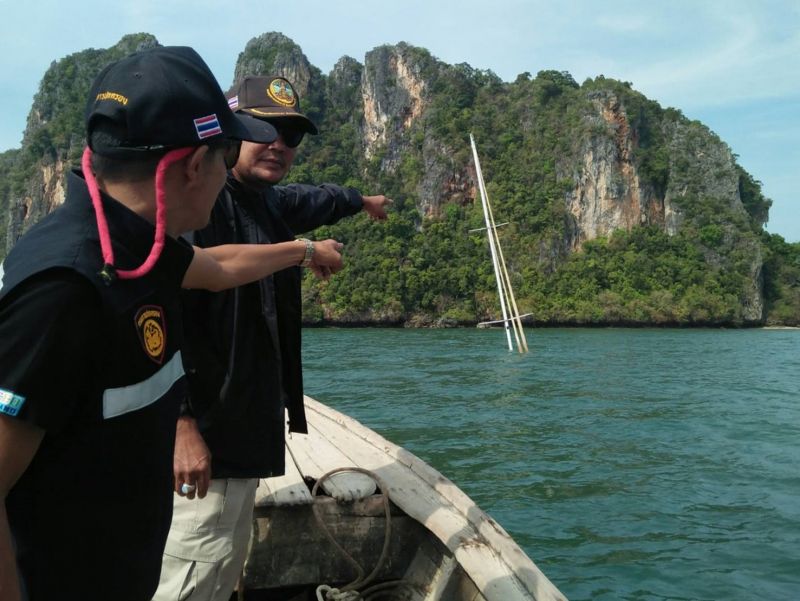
{"x": 328, "y": 593}
{"x": 378, "y": 591}
{"x": 350, "y": 592}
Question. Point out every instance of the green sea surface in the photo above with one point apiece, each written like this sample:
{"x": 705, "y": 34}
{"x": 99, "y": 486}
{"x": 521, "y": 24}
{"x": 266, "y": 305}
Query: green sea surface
{"x": 641, "y": 464}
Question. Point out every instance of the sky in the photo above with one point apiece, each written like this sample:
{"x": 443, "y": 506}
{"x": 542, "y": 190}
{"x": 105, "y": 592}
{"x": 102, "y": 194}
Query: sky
{"x": 732, "y": 64}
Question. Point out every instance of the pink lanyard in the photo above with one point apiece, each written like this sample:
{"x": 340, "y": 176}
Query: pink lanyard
{"x": 109, "y": 273}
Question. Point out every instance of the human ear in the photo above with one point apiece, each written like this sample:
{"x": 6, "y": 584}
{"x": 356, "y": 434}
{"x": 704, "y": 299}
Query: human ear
{"x": 194, "y": 163}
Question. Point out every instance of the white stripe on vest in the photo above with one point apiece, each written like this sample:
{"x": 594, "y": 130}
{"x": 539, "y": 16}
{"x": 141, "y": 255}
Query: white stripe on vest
{"x": 118, "y": 401}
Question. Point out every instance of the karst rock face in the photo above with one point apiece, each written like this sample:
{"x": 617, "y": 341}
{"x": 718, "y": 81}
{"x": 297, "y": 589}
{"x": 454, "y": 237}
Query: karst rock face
{"x": 54, "y": 136}
{"x": 617, "y": 167}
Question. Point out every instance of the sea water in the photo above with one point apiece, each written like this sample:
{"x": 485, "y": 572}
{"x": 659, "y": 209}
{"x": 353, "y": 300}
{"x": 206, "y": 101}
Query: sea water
{"x": 628, "y": 464}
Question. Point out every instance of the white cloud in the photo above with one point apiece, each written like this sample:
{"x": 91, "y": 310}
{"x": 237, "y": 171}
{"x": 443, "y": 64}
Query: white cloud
{"x": 736, "y": 58}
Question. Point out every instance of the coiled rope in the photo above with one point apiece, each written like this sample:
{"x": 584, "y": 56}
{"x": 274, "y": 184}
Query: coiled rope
{"x": 351, "y": 592}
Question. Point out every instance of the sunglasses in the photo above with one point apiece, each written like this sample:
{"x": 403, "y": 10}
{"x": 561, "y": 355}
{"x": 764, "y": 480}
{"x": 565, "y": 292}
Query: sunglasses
{"x": 288, "y": 132}
{"x": 231, "y": 152}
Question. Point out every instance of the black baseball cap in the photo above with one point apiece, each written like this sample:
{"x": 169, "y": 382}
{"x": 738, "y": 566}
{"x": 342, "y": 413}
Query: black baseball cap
{"x": 271, "y": 97}
{"x": 165, "y": 97}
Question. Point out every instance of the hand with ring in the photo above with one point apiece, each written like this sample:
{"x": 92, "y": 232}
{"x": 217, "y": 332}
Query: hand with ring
{"x": 191, "y": 467}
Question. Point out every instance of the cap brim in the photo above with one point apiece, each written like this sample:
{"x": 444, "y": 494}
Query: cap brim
{"x": 254, "y": 130}
{"x": 273, "y": 112}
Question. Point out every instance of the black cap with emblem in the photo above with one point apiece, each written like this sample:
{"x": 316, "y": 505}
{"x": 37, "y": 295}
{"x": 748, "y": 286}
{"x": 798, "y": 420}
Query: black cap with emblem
{"x": 271, "y": 97}
{"x": 163, "y": 98}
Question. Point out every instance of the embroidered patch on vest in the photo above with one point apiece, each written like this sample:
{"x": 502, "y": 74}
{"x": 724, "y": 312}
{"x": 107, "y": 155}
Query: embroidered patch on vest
{"x": 10, "y": 403}
{"x": 152, "y": 331}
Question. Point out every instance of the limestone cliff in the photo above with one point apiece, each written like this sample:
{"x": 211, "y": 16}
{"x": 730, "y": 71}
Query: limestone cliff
{"x": 392, "y": 91}
{"x": 568, "y": 165}
{"x": 397, "y": 97}
{"x": 275, "y": 54}
{"x": 608, "y": 193}
{"x": 54, "y": 138}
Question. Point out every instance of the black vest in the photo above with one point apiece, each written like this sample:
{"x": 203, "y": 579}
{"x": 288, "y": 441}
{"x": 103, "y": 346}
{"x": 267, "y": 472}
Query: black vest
{"x": 92, "y": 511}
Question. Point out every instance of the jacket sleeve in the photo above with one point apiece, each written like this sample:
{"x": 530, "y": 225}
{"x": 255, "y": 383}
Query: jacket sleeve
{"x": 305, "y": 208}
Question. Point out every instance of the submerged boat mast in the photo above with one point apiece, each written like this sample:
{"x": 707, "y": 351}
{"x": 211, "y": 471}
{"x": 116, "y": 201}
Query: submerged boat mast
{"x": 508, "y": 304}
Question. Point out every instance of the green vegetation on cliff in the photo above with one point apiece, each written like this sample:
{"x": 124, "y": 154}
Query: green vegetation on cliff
{"x": 8, "y": 161}
{"x": 695, "y": 254}
{"x": 781, "y": 280}
{"x": 55, "y": 130}
{"x": 428, "y": 269}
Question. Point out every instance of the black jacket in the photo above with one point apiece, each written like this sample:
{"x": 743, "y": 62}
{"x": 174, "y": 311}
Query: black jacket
{"x": 242, "y": 347}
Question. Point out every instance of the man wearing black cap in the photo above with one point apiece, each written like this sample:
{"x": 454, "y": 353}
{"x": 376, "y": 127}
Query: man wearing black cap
{"x": 90, "y": 331}
{"x": 243, "y": 352}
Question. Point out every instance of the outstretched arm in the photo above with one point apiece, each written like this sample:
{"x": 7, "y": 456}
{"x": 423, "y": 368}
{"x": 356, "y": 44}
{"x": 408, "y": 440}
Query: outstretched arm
{"x": 305, "y": 208}
{"x": 230, "y": 265}
{"x": 375, "y": 206}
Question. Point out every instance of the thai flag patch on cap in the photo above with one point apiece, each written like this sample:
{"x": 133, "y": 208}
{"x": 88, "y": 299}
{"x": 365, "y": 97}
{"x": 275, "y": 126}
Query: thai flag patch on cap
{"x": 10, "y": 403}
{"x": 207, "y": 126}
{"x": 233, "y": 103}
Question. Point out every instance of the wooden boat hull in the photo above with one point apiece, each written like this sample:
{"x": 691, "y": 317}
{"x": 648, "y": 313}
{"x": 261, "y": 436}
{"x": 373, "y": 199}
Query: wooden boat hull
{"x": 441, "y": 546}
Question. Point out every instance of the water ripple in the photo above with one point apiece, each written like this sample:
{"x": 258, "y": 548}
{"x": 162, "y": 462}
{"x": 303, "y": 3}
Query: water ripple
{"x": 629, "y": 464}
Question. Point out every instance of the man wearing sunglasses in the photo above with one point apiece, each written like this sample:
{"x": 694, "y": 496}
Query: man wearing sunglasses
{"x": 242, "y": 351}
{"x": 90, "y": 331}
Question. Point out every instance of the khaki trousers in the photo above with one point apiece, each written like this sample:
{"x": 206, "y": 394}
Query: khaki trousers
{"x": 208, "y": 543}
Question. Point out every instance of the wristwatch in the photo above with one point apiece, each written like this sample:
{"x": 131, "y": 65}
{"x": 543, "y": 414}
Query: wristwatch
{"x": 309, "y": 252}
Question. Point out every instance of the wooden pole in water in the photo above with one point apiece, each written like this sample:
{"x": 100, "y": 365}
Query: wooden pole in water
{"x": 490, "y": 232}
{"x": 519, "y": 333}
{"x": 513, "y": 313}
{"x": 508, "y": 303}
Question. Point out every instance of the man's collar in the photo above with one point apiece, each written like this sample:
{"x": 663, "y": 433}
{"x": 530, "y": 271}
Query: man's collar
{"x": 238, "y": 186}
